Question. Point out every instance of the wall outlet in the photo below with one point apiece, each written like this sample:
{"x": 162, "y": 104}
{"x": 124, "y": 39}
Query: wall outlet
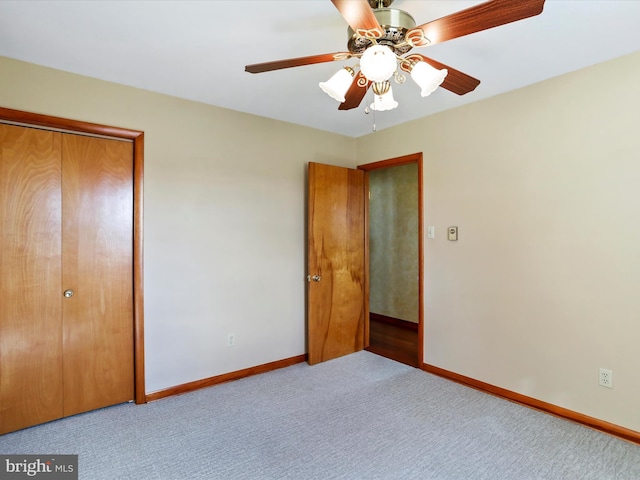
{"x": 231, "y": 339}
{"x": 606, "y": 378}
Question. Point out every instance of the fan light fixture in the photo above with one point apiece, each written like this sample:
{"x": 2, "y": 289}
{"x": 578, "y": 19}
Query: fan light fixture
{"x": 336, "y": 87}
{"x": 378, "y": 64}
{"x": 427, "y": 77}
{"x": 383, "y": 97}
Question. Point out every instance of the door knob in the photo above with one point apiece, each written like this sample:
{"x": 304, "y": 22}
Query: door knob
{"x": 316, "y": 278}
{"x": 68, "y": 293}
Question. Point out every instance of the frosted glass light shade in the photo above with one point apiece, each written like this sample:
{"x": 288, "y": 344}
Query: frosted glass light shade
{"x": 336, "y": 87}
{"x": 427, "y": 77}
{"x": 384, "y": 102}
{"x": 378, "y": 63}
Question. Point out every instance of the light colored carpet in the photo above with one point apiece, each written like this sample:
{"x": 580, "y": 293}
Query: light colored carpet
{"x": 357, "y": 417}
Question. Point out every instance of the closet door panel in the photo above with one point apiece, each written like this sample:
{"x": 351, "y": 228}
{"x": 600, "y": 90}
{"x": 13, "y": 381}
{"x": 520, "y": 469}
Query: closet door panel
{"x": 30, "y": 278}
{"x": 97, "y": 200}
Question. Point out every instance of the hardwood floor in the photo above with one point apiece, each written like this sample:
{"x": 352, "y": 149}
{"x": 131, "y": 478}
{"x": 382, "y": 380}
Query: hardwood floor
{"x": 394, "y": 339}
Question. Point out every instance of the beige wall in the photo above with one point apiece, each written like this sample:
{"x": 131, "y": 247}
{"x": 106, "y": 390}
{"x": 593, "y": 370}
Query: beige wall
{"x": 542, "y": 287}
{"x": 224, "y": 219}
{"x": 393, "y": 242}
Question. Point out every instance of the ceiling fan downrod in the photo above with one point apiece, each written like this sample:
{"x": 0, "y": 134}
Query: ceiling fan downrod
{"x": 380, "y": 3}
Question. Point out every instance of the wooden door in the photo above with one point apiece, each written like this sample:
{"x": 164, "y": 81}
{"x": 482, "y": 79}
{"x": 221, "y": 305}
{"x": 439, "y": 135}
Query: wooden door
{"x": 30, "y": 272}
{"x": 337, "y": 306}
{"x": 97, "y": 233}
{"x": 66, "y": 223}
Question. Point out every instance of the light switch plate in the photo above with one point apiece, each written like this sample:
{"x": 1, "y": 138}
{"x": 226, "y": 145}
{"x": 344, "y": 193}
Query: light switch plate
{"x": 453, "y": 233}
{"x": 431, "y": 231}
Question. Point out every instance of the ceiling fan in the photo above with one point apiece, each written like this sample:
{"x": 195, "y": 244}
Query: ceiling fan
{"x": 382, "y": 38}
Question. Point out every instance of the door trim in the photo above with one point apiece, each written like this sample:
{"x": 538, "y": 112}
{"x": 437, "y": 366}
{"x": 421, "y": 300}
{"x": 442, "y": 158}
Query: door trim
{"x": 137, "y": 137}
{"x": 394, "y": 162}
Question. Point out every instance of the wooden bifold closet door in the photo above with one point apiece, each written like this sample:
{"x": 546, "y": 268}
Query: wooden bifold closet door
{"x": 66, "y": 225}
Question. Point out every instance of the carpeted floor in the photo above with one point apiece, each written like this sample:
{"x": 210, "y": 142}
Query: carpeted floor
{"x": 357, "y": 417}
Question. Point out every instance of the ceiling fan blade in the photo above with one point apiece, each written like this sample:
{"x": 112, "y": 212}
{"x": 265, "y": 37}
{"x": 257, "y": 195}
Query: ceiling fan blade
{"x": 296, "y": 62}
{"x": 455, "y": 81}
{"x": 358, "y": 15}
{"x": 480, "y": 17}
{"x": 356, "y": 92}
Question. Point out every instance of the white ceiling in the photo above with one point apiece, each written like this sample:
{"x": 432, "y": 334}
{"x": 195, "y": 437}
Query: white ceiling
{"x": 198, "y": 49}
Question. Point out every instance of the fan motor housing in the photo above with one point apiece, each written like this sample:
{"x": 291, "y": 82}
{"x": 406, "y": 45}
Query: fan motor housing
{"x": 395, "y": 23}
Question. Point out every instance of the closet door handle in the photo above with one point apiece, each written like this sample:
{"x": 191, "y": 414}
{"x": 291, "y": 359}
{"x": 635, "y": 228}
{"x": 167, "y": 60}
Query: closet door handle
{"x": 68, "y": 293}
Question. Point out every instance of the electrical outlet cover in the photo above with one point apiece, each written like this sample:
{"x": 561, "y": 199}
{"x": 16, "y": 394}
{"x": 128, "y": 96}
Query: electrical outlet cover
{"x": 606, "y": 378}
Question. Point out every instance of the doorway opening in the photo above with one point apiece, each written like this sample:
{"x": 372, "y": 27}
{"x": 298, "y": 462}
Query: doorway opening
{"x": 395, "y": 258}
